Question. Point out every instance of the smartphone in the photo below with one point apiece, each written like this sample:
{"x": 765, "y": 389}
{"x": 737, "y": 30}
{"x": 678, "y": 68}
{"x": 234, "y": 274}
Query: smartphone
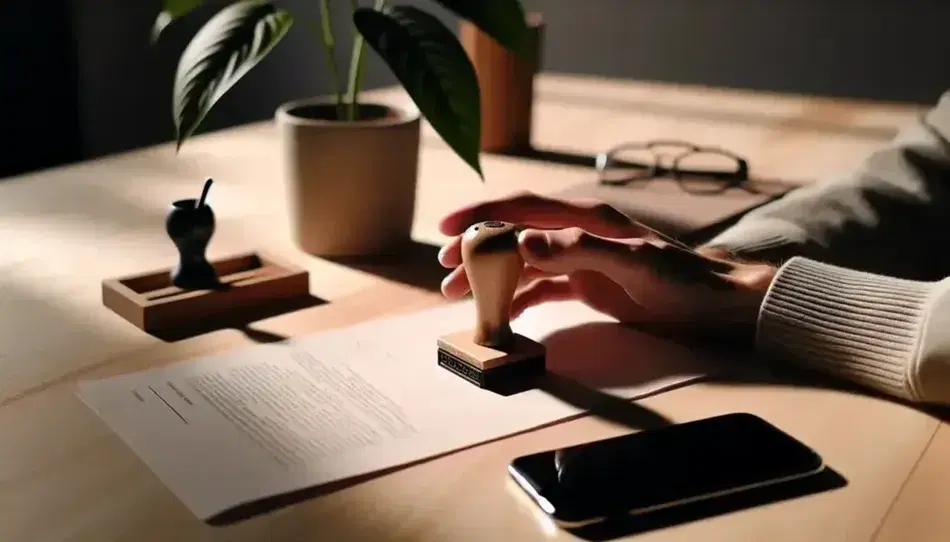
{"x": 661, "y": 468}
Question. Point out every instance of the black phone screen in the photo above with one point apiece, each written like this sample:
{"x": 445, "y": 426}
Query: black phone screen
{"x": 663, "y": 467}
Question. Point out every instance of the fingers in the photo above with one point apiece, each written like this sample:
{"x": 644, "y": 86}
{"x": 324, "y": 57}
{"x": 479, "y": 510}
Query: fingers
{"x": 594, "y": 289}
{"x": 572, "y": 249}
{"x": 606, "y": 296}
{"x": 455, "y": 285}
{"x": 531, "y": 274}
{"x": 532, "y": 210}
{"x": 542, "y": 291}
{"x": 450, "y": 255}
{"x": 634, "y": 264}
{"x": 536, "y": 211}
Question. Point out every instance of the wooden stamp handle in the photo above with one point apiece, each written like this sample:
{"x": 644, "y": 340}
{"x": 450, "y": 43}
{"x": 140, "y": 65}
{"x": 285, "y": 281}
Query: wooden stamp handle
{"x": 493, "y": 266}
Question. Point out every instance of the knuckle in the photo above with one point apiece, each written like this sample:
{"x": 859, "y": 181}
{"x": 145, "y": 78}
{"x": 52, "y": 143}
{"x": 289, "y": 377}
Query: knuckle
{"x": 584, "y": 242}
{"x": 583, "y": 202}
{"x": 525, "y": 197}
{"x": 609, "y": 214}
{"x": 544, "y": 286}
{"x": 582, "y": 239}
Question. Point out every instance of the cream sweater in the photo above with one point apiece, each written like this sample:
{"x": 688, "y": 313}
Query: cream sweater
{"x": 862, "y": 290}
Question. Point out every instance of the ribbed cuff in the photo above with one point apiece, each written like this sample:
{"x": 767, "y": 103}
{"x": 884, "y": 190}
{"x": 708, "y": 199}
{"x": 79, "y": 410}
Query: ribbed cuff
{"x": 754, "y": 239}
{"x": 846, "y": 323}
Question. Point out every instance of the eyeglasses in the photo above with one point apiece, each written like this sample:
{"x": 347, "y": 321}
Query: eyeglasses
{"x": 697, "y": 169}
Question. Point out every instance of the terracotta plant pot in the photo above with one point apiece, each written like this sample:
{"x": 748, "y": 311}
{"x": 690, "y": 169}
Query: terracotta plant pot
{"x": 507, "y": 85}
{"x": 351, "y": 186}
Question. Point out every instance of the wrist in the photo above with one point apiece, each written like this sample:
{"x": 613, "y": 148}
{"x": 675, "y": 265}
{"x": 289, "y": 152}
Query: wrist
{"x": 731, "y": 316}
{"x": 754, "y": 278}
{"x": 752, "y": 283}
{"x": 750, "y": 280}
{"x": 714, "y": 253}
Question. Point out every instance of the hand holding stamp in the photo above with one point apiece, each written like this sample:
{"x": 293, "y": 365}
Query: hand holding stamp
{"x": 492, "y": 354}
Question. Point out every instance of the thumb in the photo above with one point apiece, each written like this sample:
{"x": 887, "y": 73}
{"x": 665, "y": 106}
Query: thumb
{"x": 573, "y": 249}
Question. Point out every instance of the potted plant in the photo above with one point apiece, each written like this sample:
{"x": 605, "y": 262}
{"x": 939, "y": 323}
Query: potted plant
{"x": 350, "y": 167}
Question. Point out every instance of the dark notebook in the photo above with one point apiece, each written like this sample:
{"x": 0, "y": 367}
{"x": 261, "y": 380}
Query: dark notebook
{"x": 662, "y": 205}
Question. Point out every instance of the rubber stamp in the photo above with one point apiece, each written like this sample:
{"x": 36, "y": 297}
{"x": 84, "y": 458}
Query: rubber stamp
{"x": 491, "y": 355}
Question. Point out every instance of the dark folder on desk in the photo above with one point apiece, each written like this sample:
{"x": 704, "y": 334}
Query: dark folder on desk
{"x": 661, "y": 204}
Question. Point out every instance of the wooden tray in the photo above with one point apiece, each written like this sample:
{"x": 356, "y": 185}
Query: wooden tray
{"x": 152, "y": 303}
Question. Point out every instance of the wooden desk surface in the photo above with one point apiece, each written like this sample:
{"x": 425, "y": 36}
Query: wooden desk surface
{"x": 65, "y": 476}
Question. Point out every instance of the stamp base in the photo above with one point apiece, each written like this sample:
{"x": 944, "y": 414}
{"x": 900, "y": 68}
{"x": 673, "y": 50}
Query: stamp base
{"x": 506, "y": 371}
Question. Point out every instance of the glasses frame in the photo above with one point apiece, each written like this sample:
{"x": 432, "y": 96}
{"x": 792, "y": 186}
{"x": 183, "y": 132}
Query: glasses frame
{"x": 736, "y": 178}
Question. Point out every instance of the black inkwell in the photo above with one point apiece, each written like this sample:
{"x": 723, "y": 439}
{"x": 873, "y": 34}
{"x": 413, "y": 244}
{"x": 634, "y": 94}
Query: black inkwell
{"x": 190, "y": 224}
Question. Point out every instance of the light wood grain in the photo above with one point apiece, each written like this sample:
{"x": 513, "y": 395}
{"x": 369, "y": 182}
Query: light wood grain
{"x": 920, "y": 511}
{"x": 65, "y": 476}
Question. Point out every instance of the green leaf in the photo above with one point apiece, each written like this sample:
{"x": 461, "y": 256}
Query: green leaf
{"x": 503, "y": 20}
{"x": 172, "y": 10}
{"x": 434, "y": 69}
{"x": 226, "y": 48}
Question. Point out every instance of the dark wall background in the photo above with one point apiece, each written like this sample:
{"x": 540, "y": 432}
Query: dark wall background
{"x": 38, "y": 90}
{"x": 80, "y": 79}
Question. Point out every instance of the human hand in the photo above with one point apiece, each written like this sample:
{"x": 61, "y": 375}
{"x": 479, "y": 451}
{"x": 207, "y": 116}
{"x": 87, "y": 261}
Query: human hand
{"x": 591, "y": 252}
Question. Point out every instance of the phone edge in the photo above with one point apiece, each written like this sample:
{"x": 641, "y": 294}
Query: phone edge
{"x": 539, "y": 500}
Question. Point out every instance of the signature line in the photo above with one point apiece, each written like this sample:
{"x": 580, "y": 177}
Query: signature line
{"x": 168, "y": 405}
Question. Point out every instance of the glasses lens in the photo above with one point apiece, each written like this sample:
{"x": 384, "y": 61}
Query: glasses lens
{"x": 707, "y": 171}
{"x": 666, "y": 151}
{"x": 626, "y": 164}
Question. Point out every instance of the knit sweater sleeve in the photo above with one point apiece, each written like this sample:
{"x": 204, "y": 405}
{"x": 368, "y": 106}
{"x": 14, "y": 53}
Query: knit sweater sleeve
{"x": 861, "y": 291}
{"x": 884, "y": 333}
{"x": 885, "y": 216}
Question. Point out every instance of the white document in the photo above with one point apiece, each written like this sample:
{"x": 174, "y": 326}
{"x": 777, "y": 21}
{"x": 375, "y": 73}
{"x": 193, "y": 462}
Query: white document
{"x": 225, "y": 430}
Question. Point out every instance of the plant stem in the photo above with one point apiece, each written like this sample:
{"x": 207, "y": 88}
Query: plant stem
{"x": 356, "y": 66}
{"x": 330, "y": 48}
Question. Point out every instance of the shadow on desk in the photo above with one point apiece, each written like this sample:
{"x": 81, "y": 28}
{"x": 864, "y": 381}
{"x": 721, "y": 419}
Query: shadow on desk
{"x": 653, "y": 354}
{"x": 562, "y": 386}
{"x": 416, "y": 265}
{"x": 775, "y": 374}
{"x": 577, "y": 378}
{"x": 242, "y": 321}
{"x": 623, "y": 362}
